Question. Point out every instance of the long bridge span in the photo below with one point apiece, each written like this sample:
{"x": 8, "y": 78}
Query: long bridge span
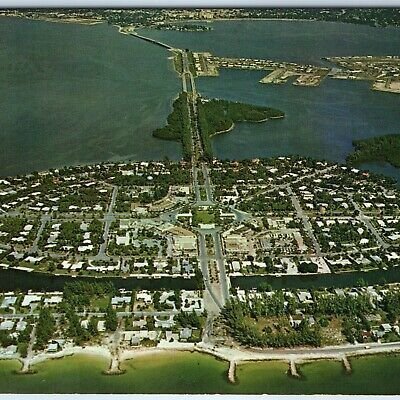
{"x": 166, "y": 46}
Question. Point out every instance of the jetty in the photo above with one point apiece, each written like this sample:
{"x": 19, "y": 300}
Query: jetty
{"x": 232, "y": 371}
{"x": 293, "y": 369}
{"x": 114, "y": 348}
{"x": 346, "y": 364}
{"x": 26, "y": 362}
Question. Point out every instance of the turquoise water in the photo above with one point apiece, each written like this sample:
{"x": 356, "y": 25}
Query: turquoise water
{"x": 199, "y": 373}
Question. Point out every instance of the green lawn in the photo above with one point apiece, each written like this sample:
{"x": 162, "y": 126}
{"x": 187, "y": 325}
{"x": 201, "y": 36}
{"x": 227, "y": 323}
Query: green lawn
{"x": 203, "y": 217}
{"x": 100, "y": 302}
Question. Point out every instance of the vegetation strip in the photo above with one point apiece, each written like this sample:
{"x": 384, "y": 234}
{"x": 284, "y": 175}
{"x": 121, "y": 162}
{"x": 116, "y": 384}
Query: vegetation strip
{"x": 384, "y": 148}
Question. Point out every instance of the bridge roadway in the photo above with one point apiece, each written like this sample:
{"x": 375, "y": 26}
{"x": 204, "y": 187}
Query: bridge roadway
{"x": 157, "y": 42}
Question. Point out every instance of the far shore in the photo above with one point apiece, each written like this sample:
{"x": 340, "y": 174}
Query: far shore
{"x": 81, "y": 21}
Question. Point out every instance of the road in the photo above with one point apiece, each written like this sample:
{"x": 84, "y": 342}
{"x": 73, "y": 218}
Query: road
{"x": 240, "y": 216}
{"x": 108, "y": 219}
{"x": 120, "y": 314}
{"x": 207, "y": 183}
{"x": 213, "y": 302}
{"x": 43, "y": 221}
{"x": 365, "y": 220}
{"x": 306, "y": 222}
{"x": 220, "y": 259}
{"x": 218, "y": 291}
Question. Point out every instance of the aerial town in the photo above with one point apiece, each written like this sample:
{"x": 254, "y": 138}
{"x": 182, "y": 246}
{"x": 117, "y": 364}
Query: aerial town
{"x": 150, "y": 220}
{"x": 285, "y": 258}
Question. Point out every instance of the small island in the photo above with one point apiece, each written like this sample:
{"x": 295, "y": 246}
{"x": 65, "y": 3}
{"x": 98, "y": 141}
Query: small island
{"x": 218, "y": 116}
{"x": 384, "y": 148}
{"x": 215, "y": 116}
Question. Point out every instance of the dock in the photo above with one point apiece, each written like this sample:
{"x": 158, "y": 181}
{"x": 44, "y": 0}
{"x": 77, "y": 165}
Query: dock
{"x": 232, "y": 371}
{"x": 346, "y": 364}
{"x": 293, "y": 369}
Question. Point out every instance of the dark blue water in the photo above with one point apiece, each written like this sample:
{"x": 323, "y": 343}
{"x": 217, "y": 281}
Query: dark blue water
{"x": 320, "y": 122}
{"x": 298, "y": 41}
{"x": 74, "y": 94}
{"x": 78, "y": 94}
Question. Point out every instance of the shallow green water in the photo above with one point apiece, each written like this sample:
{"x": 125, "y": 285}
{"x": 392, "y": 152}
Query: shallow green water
{"x": 199, "y": 373}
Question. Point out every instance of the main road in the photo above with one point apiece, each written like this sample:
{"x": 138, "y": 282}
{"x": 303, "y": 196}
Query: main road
{"x": 108, "y": 219}
{"x": 219, "y": 292}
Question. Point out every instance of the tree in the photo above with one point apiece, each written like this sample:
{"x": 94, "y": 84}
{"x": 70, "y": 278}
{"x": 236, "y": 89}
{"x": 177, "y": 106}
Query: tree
{"x": 45, "y": 328}
{"x": 111, "y": 322}
{"x": 92, "y": 327}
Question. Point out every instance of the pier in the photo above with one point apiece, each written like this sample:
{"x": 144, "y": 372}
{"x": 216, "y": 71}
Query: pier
{"x": 346, "y": 364}
{"x": 293, "y": 369}
{"x": 114, "y": 348}
{"x": 114, "y": 366}
{"x": 232, "y": 371}
{"x": 26, "y": 362}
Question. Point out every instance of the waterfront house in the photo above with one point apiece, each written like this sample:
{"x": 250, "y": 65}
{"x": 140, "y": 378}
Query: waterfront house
{"x": 305, "y": 297}
{"x": 171, "y": 337}
{"x": 101, "y": 326}
{"x": 120, "y": 301}
{"x": 52, "y": 347}
{"x": 53, "y": 300}
{"x": 185, "y": 333}
{"x": 385, "y": 328}
{"x": 21, "y": 325}
{"x": 135, "y": 341}
{"x": 144, "y": 296}
{"x": 30, "y": 299}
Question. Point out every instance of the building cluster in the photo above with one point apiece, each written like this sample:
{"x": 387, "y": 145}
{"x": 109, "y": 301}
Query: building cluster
{"x": 383, "y": 71}
{"x": 304, "y": 218}
{"x": 206, "y": 64}
{"x": 102, "y": 219}
{"x": 301, "y": 307}
{"x": 148, "y": 317}
{"x": 276, "y": 216}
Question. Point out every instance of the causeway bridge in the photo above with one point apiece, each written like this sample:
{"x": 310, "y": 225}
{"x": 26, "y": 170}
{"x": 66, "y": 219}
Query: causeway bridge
{"x": 166, "y": 46}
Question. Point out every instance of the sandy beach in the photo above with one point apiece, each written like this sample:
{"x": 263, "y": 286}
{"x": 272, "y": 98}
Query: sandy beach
{"x": 234, "y": 355}
{"x": 224, "y": 130}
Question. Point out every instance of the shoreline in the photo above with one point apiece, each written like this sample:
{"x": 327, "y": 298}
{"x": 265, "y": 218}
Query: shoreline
{"x": 224, "y": 130}
{"x": 246, "y": 121}
{"x": 234, "y": 356}
{"x": 80, "y": 21}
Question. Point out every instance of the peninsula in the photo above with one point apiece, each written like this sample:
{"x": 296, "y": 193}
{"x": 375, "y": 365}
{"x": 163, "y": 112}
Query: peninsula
{"x": 384, "y": 148}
